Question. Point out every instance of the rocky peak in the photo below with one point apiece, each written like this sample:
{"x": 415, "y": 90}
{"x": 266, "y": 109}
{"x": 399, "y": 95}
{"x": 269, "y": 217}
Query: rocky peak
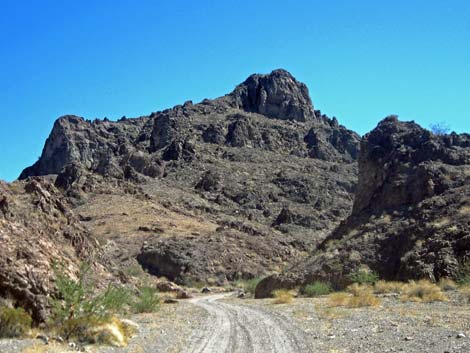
{"x": 277, "y": 95}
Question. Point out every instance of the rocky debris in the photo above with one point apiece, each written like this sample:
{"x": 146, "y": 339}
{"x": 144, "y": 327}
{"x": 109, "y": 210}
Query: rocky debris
{"x": 410, "y": 214}
{"x": 167, "y": 286}
{"x": 38, "y": 230}
{"x": 242, "y": 132}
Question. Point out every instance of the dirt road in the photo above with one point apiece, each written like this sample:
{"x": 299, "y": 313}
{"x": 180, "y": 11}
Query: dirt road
{"x": 235, "y": 328}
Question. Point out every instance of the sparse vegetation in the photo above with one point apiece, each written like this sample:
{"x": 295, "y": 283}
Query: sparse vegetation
{"x": 463, "y": 275}
{"x": 147, "y": 300}
{"x": 464, "y": 292}
{"x": 384, "y": 287}
{"x": 317, "y": 288}
{"x": 77, "y": 312}
{"x": 422, "y": 291}
{"x": 358, "y": 296}
{"x": 248, "y": 285}
{"x": 282, "y": 296}
{"x": 439, "y": 129}
{"x": 14, "y": 322}
{"x": 364, "y": 277}
{"x": 446, "y": 284}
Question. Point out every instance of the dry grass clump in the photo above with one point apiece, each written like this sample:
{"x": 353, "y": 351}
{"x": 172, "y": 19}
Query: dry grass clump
{"x": 384, "y": 287}
{"x": 282, "y": 296}
{"x": 422, "y": 291}
{"x": 446, "y": 284}
{"x": 338, "y": 299}
{"x": 464, "y": 292}
{"x": 360, "y": 296}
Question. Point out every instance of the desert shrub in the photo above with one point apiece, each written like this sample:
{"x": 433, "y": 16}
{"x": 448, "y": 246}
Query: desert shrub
{"x": 282, "y": 296}
{"x": 147, "y": 300}
{"x": 464, "y": 293}
{"x": 422, "y": 291}
{"x": 76, "y": 308}
{"x": 135, "y": 271}
{"x": 363, "y": 298}
{"x": 317, "y": 288}
{"x": 439, "y": 129}
{"x": 383, "y": 287}
{"x": 463, "y": 274}
{"x": 358, "y": 296}
{"x": 338, "y": 299}
{"x": 248, "y": 285}
{"x": 14, "y": 322}
{"x": 446, "y": 284}
{"x": 364, "y": 277}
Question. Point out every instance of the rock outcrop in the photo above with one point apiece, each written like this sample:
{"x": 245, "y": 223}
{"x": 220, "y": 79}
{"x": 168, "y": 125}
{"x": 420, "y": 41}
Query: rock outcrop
{"x": 410, "y": 214}
{"x": 277, "y": 95}
{"x": 231, "y": 163}
{"x": 38, "y": 229}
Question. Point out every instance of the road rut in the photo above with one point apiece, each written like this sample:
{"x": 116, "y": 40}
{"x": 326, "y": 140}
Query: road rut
{"x": 238, "y": 328}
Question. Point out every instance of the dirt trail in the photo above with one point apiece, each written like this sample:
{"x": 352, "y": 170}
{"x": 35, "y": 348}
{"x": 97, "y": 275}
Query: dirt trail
{"x": 235, "y": 328}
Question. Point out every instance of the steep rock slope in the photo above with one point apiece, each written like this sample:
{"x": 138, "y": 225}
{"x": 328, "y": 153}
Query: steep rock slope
{"x": 411, "y": 212}
{"x": 262, "y": 174}
{"x": 37, "y": 229}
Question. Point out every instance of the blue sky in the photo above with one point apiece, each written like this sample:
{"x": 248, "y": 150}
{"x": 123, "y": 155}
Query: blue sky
{"x": 362, "y": 60}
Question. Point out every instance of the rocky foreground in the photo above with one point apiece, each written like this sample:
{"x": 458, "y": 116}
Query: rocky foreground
{"x": 220, "y": 323}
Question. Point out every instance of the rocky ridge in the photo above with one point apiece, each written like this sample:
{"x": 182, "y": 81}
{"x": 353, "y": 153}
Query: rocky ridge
{"x": 410, "y": 214}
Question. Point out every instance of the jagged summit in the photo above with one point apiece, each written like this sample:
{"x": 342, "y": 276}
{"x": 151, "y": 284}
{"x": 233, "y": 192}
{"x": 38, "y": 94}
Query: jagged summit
{"x": 257, "y": 114}
{"x": 277, "y": 95}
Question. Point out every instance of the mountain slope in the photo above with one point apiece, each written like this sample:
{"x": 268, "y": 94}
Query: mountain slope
{"x": 262, "y": 175}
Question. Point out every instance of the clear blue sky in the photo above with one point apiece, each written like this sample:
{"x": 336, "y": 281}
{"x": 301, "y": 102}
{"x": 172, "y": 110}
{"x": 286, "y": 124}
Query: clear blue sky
{"x": 361, "y": 60}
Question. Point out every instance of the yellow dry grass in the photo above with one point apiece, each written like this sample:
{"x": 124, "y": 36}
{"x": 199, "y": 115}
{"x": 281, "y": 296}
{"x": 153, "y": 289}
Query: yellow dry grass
{"x": 446, "y": 284}
{"x": 360, "y": 296}
{"x": 282, "y": 296}
{"x": 384, "y": 287}
{"x": 422, "y": 291}
{"x": 464, "y": 292}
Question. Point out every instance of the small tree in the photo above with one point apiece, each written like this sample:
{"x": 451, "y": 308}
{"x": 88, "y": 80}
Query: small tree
{"x": 439, "y": 128}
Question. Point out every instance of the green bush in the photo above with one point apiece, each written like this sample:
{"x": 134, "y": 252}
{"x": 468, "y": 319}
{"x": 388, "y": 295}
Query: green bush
{"x": 147, "y": 300}
{"x": 463, "y": 274}
{"x": 364, "y": 277}
{"x": 317, "y": 288}
{"x": 248, "y": 285}
{"x": 76, "y": 306}
{"x": 14, "y": 322}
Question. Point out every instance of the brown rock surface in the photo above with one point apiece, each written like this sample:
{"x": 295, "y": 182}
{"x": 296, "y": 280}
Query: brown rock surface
{"x": 37, "y": 228}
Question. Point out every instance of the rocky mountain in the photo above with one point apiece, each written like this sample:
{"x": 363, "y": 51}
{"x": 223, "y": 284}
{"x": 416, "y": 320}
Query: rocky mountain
{"x": 410, "y": 217}
{"x": 235, "y": 187}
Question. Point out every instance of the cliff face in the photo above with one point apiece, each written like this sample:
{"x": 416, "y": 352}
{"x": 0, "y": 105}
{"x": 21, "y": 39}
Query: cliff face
{"x": 410, "y": 214}
{"x": 232, "y": 167}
